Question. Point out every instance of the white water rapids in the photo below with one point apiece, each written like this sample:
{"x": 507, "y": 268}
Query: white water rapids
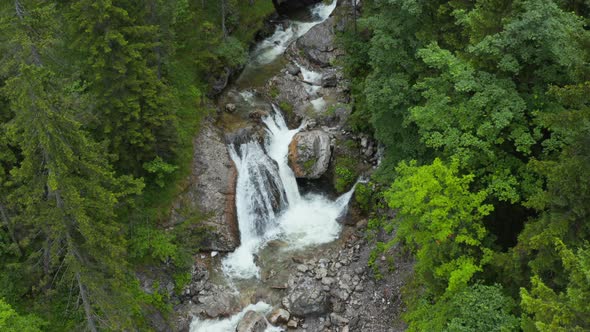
{"x": 300, "y": 221}
{"x": 274, "y": 46}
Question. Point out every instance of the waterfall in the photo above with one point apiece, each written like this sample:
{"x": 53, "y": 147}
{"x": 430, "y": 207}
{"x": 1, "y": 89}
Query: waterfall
{"x": 229, "y": 324}
{"x": 269, "y": 205}
{"x": 274, "y": 46}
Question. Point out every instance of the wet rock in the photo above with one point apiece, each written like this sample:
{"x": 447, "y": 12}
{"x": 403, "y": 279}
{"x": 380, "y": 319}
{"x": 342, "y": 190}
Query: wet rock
{"x": 293, "y": 69}
{"x": 306, "y": 297}
{"x": 279, "y": 316}
{"x": 231, "y": 108}
{"x": 219, "y": 304}
{"x": 318, "y": 43}
{"x": 285, "y": 89}
{"x": 329, "y": 80}
{"x": 252, "y": 322}
{"x": 245, "y": 135}
{"x": 309, "y": 154}
{"x": 257, "y": 115}
{"x": 210, "y": 192}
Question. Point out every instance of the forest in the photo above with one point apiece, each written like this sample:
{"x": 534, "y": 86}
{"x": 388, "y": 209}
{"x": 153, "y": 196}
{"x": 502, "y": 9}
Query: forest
{"x": 484, "y": 112}
{"x": 99, "y": 102}
{"x": 482, "y": 109}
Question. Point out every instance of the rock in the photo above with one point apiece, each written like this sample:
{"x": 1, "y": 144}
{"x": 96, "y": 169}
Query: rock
{"x": 218, "y": 304}
{"x": 278, "y": 316}
{"x": 245, "y": 135}
{"x": 302, "y": 268}
{"x": 210, "y": 192}
{"x": 329, "y": 80}
{"x": 285, "y": 6}
{"x": 231, "y": 108}
{"x": 293, "y": 69}
{"x": 309, "y": 154}
{"x": 318, "y": 43}
{"x": 285, "y": 89}
{"x": 337, "y": 319}
{"x": 292, "y": 324}
{"x": 252, "y": 322}
{"x": 305, "y": 296}
{"x": 257, "y": 115}
{"x": 219, "y": 81}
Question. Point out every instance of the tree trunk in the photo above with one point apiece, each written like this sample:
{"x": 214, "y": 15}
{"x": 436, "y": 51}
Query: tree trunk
{"x": 86, "y": 304}
{"x": 223, "y": 28}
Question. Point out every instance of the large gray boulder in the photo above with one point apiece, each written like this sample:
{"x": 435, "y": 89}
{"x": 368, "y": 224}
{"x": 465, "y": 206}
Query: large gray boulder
{"x": 210, "y": 192}
{"x": 252, "y": 322}
{"x": 309, "y": 154}
{"x": 306, "y": 297}
{"x": 318, "y": 43}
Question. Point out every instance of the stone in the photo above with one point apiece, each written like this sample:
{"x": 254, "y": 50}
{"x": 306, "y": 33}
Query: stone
{"x": 219, "y": 304}
{"x": 257, "y": 115}
{"x": 278, "y": 316}
{"x": 293, "y": 69}
{"x": 318, "y": 43}
{"x": 219, "y": 81}
{"x": 231, "y": 108}
{"x": 309, "y": 154}
{"x": 305, "y": 296}
{"x": 292, "y": 324}
{"x": 338, "y": 320}
{"x": 329, "y": 80}
{"x": 252, "y": 322}
{"x": 210, "y": 191}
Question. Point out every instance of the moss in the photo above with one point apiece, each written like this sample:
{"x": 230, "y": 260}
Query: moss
{"x": 286, "y": 108}
{"x": 345, "y": 173}
{"x": 274, "y": 92}
{"x": 308, "y": 165}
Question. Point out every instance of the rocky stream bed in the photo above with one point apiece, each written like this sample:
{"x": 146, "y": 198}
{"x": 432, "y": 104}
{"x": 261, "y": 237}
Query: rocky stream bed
{"x": 327, "y": 286}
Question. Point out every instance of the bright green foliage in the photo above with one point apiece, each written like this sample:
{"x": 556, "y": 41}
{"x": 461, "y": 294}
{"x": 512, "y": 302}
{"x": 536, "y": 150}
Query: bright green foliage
{"x": 160, "y": 169}
{"x": 481, "y": 308}
{"x": 498, "y": 90}
{"x": 476, "y": 118}
{"x": 567, "y": 310}
{"x": 11, "y": 321}
{"x": 442, "y": 220}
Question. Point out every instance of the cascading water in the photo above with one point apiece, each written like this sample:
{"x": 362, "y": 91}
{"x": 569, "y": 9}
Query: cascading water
{"x": 302, "y": 221}
{"x": 268, "y": 203}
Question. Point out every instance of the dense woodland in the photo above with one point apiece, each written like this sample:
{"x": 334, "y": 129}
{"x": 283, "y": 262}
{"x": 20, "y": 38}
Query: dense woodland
{"x": 99, "y": 101}
{"x": 483, "y": 108}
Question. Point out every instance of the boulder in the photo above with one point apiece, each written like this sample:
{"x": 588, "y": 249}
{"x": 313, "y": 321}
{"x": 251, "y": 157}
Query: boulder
{"x": 329, "y": 80}
{"x": 309, "y": 154}
{"x": 305, "y": 296}
{"x": 230, "y": 107}
{"x": 318, "y": 43}
{"x": 278, "y": 316}
{"x": 217, "y": 304}
{"x": 219, "y": 81}
{"x": 210, "y": 191}
{"x": 293, "y": 69}
{"x": 252, "y": 321}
